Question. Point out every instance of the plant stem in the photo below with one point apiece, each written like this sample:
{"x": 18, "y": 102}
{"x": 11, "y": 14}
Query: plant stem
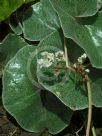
{"x": 89, "y": 107}
{"x": 12, "y": 133}
{"x": 66, "y": 56}
{"x": 93, "y": 131}
{"x": 66, "y": 53}
{"x": 79, "y": 130}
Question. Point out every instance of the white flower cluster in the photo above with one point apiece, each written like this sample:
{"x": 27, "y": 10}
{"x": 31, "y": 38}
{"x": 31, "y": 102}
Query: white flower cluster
{"x": 46, "y": 60}
{"x": 87, "y": 70}
{"x": 60, "y": 56}
{"x": 81, "y": 61}
{"x": 82, "y": 58}
{"x": 49, "y": 58}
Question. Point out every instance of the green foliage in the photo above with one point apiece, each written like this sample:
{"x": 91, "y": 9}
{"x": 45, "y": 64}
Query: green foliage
{"x": 86, "y": 32}
{"x": 42, "y": 19}
{"x": 10, "y": 46}
{"x": 32, "y": 107}
{"x": 67, "y": 89}
{"x": 9, "y": 6}
{"x": 39, "y": 91}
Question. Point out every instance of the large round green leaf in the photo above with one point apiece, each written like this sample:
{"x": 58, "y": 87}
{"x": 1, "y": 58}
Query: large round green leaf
{"x": 86, "y": 31}
{"x": 9, "y": 6}
{"x": 68, "y": 87}
{"x": 33, "y": 109}
{"x": 39, "y": 21}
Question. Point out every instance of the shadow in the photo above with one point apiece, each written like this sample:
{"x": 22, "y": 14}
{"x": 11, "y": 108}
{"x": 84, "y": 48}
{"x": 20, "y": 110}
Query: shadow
{"x": 87, "y": 20}
{"x": 74, "y": 50}
{"x": 43, "y": 97}
{"x": 0, "y": 88}
{"x": 4, "y": 30}
{"x": 14, "y": 20}
{"x": 97, "y": 112}
{"x": 28, "y": 13}
{"x": 12, "y": 120}
{"x": 95, "y": 73}
{"x": 55, "y": 106}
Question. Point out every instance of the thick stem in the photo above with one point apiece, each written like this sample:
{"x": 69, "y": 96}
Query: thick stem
{"x": 88, "y": 89}
{"x": 93, "y": 131}
{"x": 66, "y": 56}
{"x": 66, "y": 53}
{"x": 89, "y": 108}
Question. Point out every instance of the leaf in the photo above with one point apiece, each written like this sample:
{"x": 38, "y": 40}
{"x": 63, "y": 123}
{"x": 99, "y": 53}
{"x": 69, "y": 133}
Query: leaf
{"x": 39, "y": 21}
{"x": 8, "y": 6}
{"x": 66, "y": 86}
{"x": 86, "y": 31}
{"x": 76, "y": 8}
{"x": 96, "y": 85}
{"x": 99, "y": 3}
{"x": 33, "y": 109}
{"x": 10, "y": 46}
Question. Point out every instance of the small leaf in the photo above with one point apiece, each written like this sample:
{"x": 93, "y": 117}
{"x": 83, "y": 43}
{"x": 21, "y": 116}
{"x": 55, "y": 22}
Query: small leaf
{"x": 39, "y": 21}
{"x": 33, "y": 109}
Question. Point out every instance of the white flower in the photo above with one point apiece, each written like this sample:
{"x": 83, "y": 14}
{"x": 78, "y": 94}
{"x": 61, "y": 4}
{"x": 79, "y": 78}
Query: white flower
{"x": 44, "y": 53}
{"x": 80, "y": 60}
{"x": 87, "y": 70}
{"x": 74, "y": 65}
{"x": 59, "y": 53}
{"x": 48, "y": 56}
{"x": 40, "y": 62}
{"x": 44, "y": 63}
{"x": 84, "y": 56}
{"x": 46, "y": 60}
{"x": 60, "y": 56}
{"x": 47, "y": 64}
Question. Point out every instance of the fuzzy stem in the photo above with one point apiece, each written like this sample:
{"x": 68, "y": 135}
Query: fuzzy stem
{"x": 89, "y": 108}
{"x": 66, "y": 56}
{"x": 66, "y": 53}
{"x": 93, "y": 131}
